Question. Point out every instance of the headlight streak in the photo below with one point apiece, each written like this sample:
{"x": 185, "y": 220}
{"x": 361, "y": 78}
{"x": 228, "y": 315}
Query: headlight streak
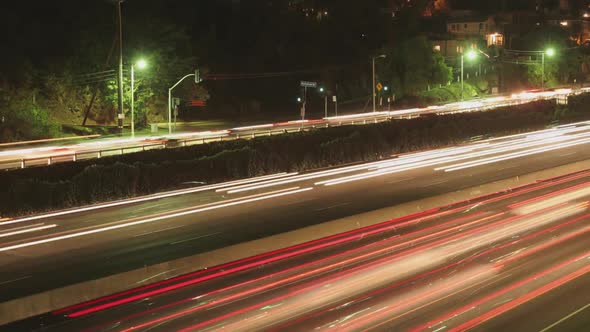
{"x": 150, "y": 220}
{"x": 23, "y": 230}
{"x": 145, "y": 198}
{"x": 241, "y": 184}
{"x": 510, "y": 146}
{"x": 514, "y": 155}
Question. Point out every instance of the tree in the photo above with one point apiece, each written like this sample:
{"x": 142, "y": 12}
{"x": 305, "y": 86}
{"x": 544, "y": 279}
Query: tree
{"x": 21, "y": 118}
{"x": 563, "y": 67}
{"x": 414, "y": 65}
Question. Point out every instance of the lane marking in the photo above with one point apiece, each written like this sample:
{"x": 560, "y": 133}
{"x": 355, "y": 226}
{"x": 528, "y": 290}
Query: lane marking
{"x": 159, "y": 231}
{"x": 566, "y": 318}
{"x": 195, "y": 238}
{"x": 13, "y": 280}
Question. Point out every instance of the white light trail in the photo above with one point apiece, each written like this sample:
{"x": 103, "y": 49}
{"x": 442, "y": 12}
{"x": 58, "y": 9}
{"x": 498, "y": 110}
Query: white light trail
{"x": 151, "y": 220}
{"x": 146, "y": 198}
{"x": 25, "y": 230}
{"x": 487, "y": 161}
{"x": 302, "y": 177}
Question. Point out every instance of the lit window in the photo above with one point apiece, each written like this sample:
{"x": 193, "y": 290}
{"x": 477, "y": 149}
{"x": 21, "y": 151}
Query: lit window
{"x": 563, "y": 23}
{"x": 437, "y": 48}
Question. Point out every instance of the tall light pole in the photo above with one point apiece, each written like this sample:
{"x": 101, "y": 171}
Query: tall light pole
{"x": 120, "y": 76}
{"x": 323, "y": 91}
{"x": 375, "y": 81}
{"x": 471, "y": 55}
{"x": 141, "y": 64}
{"x": 549, "y": 52}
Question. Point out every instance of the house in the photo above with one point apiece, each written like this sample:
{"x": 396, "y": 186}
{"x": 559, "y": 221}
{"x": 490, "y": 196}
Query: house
{"x": 484, "y": 28}
{"x": 450, "y": 47}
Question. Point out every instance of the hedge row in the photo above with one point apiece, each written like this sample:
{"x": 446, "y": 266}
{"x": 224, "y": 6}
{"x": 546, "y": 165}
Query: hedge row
{"x": 75, "y": 184}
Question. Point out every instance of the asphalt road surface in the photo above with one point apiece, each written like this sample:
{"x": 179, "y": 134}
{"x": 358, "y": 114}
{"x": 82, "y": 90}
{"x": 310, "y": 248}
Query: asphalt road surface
{"x": 98, "y": 241}
{"x": 512, "y": 261}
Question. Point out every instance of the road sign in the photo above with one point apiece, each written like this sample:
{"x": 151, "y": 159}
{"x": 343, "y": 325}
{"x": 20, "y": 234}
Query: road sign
{"x": 307, "y": 84}
{"x": 379, "y": 87}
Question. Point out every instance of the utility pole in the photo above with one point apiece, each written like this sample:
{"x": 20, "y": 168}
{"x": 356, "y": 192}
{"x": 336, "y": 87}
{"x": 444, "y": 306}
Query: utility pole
{"x": 543, "y": 71}
{"x": 462, "y": 71}
{"x": 120, "y": 76}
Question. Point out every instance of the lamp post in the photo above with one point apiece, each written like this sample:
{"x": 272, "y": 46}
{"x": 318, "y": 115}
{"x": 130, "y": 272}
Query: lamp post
{"x": 471, "y": 55}
{"x": 323, "y": 91}
{"x": 198, "y": 79}
{"x": 375, "y": 81}
{"x": 120, "y": 68}
{"x": 549, "y": 52}
{"x": 141, "y": 64}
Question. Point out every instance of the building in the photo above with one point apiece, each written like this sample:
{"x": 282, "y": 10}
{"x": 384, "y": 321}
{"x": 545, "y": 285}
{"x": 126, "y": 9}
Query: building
{"x": 485, "y": 28}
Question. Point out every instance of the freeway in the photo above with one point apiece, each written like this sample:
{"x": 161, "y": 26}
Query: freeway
{"x": 46, "y": 154}
{"x": 102, "y": 240}
{"x": 515, "y": 260}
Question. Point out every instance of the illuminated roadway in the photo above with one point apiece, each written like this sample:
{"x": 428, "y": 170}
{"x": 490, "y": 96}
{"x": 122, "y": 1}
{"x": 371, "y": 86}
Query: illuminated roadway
{"x": 518, "y": 260}
{"x": 39, "y": 154}
{"x": 102, "y": 240}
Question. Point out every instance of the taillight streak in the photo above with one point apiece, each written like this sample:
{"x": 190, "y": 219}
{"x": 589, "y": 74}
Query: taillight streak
{"x": 505, "y": 290}
{"x": 362, "y": 231}
{"x": 306, "y": 274}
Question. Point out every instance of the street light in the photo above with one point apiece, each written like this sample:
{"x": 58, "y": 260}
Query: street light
{"x": 549, "y": 52}
{"x": 198, "y": 79}
{"x": 471, "y": 55}
{"x": 323, "y": 91}
{"x": 141, "y": 64}
{"x": 375, "y": 81}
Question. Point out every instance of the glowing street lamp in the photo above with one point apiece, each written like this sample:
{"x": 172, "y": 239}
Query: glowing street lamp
{"x": 471, "y": 55}
{"x": 550, "y": 52}
{"x": 322, "y": 90}
{"x": 141, "y": 64}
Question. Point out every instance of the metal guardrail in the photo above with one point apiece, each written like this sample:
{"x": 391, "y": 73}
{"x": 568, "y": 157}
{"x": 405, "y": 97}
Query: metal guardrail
{"x": 19, "y": 163}
{"x": 174, "y": 143}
